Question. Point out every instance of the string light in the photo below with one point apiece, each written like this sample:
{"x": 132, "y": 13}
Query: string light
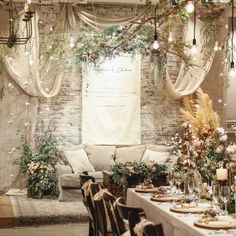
{"x": 190, "y": 7}
{"x": 155, "y": 45}
{"x": 194, "y": 45}
{"x": 216, "y": 47}
{"x": 72, "y": 44}
{"x": 232, "y": 70}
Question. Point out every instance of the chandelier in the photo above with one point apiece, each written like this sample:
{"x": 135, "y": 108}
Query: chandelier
{"x": 13, "y": 38}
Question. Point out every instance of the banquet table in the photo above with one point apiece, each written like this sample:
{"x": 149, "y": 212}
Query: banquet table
{"x": 174, "y": 224}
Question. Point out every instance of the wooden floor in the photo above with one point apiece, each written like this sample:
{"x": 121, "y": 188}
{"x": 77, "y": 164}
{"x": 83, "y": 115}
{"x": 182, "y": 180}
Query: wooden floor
{"x": 6, "y": 213}
{"x": 52, "y": 230}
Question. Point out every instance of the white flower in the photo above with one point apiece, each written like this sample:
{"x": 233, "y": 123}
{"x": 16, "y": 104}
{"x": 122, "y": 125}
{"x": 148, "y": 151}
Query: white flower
{"x": 220, "y": 149}
{"x": 220, "y": 130}
{"x": 230, "y": 149}
{"x": 223, "y": 138}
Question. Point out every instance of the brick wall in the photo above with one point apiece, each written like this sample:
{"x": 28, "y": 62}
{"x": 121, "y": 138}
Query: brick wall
{"x": 159, "y": 113}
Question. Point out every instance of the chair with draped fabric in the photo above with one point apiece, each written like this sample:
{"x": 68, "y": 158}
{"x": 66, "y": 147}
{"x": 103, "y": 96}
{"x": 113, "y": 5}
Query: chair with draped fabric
{"x": 129, "y": 214}
{"x": 87, "y": 196}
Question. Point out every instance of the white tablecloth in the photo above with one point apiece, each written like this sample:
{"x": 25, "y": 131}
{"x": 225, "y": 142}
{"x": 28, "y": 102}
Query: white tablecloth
{"x": 174, "y": 224}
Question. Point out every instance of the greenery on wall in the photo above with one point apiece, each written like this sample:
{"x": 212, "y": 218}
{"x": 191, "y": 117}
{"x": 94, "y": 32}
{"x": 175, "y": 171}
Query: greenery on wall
{"x": 88, "y": 46}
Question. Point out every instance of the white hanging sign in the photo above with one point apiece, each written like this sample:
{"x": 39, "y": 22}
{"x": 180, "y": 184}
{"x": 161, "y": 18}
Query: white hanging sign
{"x": 111, "y": 102}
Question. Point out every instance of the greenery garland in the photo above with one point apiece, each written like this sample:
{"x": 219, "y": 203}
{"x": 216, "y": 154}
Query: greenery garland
{"x": 88, "y": 46}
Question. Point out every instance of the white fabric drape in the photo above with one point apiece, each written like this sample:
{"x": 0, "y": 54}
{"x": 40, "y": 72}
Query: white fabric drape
{"x": 98, "y": 23}
{"x": 189, "y": 80}
{"x": 25, "y": 68}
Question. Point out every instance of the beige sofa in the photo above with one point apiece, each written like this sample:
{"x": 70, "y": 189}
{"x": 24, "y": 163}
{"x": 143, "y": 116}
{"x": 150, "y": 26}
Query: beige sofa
{"x": 101, "y": 158}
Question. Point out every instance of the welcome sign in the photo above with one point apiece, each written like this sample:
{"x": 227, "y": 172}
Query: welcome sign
{"x": 111, "y": 102}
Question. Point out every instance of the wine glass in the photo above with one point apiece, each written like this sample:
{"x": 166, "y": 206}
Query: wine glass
{"x": 178, "y": 178}
{"x": 216, "y": 196}
{"x": 191, "y": 185}
{"x": 225, "y": 196}
{"x": 171, "y": 179}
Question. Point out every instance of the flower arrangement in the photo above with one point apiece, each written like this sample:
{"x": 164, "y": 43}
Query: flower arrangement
{"x": 202, "y": 143}
{"x": 39, "y": 165}
{"x": 131, "y": 173}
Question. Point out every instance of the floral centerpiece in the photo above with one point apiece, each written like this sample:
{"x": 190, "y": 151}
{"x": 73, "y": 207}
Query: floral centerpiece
{"x": 132, "y": 173}
{"x": 201, "y": 142}
{"x": 39, "y": 164}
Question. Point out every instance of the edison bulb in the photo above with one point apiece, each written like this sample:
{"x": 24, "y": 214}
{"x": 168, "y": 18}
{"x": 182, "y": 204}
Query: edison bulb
{"x": 155, "y": 45}
{"x": 216, "y": 47}
{"x": 189, "y": 7}
{"x": 72, "y": 44}
{"x": 232, "y": 72}
{"x": 194, "y": 49}
{"x": 170, "y": 38}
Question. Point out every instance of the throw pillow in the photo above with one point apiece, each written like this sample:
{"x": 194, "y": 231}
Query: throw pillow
{"x": 79, "y": 161}
{"x": 159, "y": 148}
{"x": 158, "y": 157}
{"x": 102, "y": 157}
{"x": 129, "y": 154}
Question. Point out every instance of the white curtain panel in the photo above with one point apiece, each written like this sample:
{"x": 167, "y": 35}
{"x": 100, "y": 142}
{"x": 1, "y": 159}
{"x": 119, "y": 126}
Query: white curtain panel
{"x": 188, "y": 80}
{"x": 30, "y": 76}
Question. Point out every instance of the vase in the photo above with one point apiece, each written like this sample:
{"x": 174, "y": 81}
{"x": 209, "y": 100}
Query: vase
{"x": 192, "y": 176}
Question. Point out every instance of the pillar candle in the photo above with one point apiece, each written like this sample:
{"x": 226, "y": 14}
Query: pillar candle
{"x": 221, "y": 174}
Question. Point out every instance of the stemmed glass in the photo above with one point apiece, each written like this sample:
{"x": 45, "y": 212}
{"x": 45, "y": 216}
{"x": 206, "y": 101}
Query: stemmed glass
{"x": 171, "y": 179}
{"x": 225, "y": 196}
{"x": 178, "y": 178}
{"x": 216, "y": 196}
{"x": 191, "y": 186}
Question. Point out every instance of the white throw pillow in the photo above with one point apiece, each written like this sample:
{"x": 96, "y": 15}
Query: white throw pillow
{"x": 79, "y": 161}
{"x": 158, "y": 157}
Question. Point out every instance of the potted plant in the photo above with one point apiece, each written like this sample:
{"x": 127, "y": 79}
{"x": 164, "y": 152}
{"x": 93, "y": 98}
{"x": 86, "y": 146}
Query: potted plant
{"x": 39, "y": 163}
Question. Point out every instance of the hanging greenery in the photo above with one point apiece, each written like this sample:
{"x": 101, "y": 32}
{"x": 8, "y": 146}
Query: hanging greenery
{"x": 92, "y": 47}
{"x": 88, "y": 46}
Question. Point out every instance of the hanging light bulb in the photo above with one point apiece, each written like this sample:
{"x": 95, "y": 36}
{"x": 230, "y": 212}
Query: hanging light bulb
{"x": 72, "y": 44}
{"x": 189, "y": 7}
{"x": 155, "y": 45}
{"x": 170, "y": 38}
{"x": 194, "y": 47}
{"x": 232, "y": 70}
{"x": 216, "y": 47}
{"x": 29, "y": 1}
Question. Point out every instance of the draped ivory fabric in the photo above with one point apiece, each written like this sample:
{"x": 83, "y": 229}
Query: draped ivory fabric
{"x": 188, "y": 80}
{"x": 28, "y": 75}
{"x": 98, "y": 23}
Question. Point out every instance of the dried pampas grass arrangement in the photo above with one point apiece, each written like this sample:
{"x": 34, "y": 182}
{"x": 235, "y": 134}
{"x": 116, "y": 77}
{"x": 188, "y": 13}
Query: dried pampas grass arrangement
{"x": 199, "y": 113}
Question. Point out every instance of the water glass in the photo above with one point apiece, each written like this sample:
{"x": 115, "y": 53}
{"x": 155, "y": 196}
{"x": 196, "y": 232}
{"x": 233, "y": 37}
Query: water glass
{"x": 225, "y": 196}
{"x": 178, "y": 178}
{"x": 216, "y": 196}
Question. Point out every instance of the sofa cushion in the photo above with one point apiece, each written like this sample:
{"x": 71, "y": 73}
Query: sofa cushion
{"x": 70, "y": 181}
{"x": 71, "y": 148}
{"x": 79, "y": 161}
{"x": 129, "y": 154}
{"x": 159, "y": 148}
{"x": 102, "y": 157}
{"x": 158, "y": 157}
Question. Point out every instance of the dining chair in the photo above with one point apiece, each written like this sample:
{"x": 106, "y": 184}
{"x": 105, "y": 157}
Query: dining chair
{"x": 128, "y": 213}
{"x": 87, "y": 198}
{"x": 117, "y": 224}
{"x": 153, "y": 230}
{"x": 104, "y": 227}
{"x": 149, "y": 228}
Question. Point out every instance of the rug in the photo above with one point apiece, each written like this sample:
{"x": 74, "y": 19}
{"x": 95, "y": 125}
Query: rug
{"x": 31, "y": 212}
{"x": 6, "y": 213}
